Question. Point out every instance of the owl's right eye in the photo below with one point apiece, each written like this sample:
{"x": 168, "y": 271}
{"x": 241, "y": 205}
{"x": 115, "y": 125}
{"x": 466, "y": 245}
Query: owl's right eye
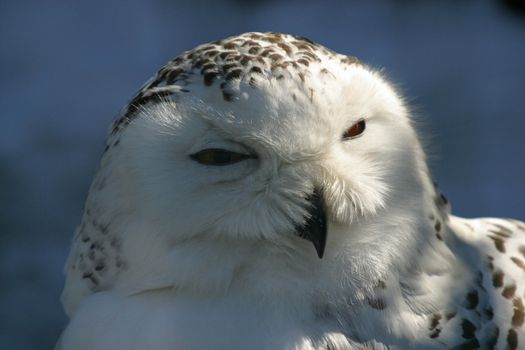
{"x": 219, "y": 157}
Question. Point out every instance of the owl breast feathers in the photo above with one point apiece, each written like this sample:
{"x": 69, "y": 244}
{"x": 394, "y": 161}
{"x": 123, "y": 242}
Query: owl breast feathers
{"x": 265, "y": 192}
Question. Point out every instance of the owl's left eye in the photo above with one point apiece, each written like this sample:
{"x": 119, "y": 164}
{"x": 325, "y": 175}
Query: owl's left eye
{"x": 218, "y": 157}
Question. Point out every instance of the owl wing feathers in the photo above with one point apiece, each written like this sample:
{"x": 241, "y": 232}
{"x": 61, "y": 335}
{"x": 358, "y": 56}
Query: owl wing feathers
{"x": 492, "y": 312}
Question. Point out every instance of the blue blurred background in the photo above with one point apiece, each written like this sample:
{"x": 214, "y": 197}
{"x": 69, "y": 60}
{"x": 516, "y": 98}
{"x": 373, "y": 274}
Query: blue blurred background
{"x": 68, "y": 67}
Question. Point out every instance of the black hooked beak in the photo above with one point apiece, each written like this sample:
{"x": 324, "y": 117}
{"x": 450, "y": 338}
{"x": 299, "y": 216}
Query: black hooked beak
{"x": 315, "y": 227}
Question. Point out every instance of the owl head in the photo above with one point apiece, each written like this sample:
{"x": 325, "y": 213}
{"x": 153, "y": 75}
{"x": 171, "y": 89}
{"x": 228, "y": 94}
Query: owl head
{"x": 255, "y": 147}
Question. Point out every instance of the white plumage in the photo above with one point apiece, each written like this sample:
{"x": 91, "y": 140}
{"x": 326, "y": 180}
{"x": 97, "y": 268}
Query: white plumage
{"x": 226, "y": 167}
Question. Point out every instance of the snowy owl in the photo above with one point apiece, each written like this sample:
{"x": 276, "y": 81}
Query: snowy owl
{"x": 265, "y": 192}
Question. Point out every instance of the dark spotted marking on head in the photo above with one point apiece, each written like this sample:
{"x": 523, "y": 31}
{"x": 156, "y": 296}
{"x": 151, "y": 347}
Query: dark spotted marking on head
{"x": 209, "y": 77}
{"x": 440, "y": 202}
{"x": 490, "y": 263}
{"x": 267, "y": 52}
{"x": 512, "y": 339}
{"x": 433, "y": 327}
{"x": 450, "y": 315}
{"x": 225, "y": 55}
{"x": 376, "y": 303}
{"x": 508, "y": 291}
{"x": 171, "y": 76}
{"x": 91, "y": 277}
{"x": 520, "y": 263}
{"x": 302, "y": 44}
{"x": 309, "y": 55}
{"x": 501, "y": 234}
{"x": 350, "y": 60}
{"x": 469, "y": 329}
{"x": 503, "y": 228}
{"x": 521, "y": 249}
{"x": 276, "y": 57}
{"x": 229, "y": 46}
{"x": 381, "y": 284}
{"x": 437, "y": 229}
{"x": 229, "y": 67}
{"x": 211, "y": 53}
{"x": 303, "y": 62}
{"x": 254, "y": 50}
{"x": 498, "y": 243}
{"x": 435, "y": 333}
{"x": 285, "y": 47}
{"x": 230, "y": 59}
{"x": 96, "y": 252}
{"x": 209, "y": 67}
{"x": 518, "y": 317}
{"x": 96, "y": 246}
{"x": 227, "y": 96}
{"x": 233, "y": 74}
{"x": 472, "y": 300}
{"x": 488, "y": 312}
{"x": 497, "y": 278}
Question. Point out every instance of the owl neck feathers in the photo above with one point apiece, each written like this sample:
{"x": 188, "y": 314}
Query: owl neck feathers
{"x": 404, "y": 267}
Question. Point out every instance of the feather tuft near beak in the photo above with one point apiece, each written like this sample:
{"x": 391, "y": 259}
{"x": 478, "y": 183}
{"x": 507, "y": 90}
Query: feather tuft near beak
{"x": 314, "y": 228}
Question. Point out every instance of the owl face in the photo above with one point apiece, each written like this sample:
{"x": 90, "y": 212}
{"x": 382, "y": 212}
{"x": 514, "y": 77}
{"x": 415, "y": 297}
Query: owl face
{"x": 237, "y": 156}
{"x": 245, "y": 169}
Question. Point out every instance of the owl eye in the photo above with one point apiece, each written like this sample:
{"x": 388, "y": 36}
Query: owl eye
{"x": 355, "y": 130}
{"x": 217, "y": 156}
